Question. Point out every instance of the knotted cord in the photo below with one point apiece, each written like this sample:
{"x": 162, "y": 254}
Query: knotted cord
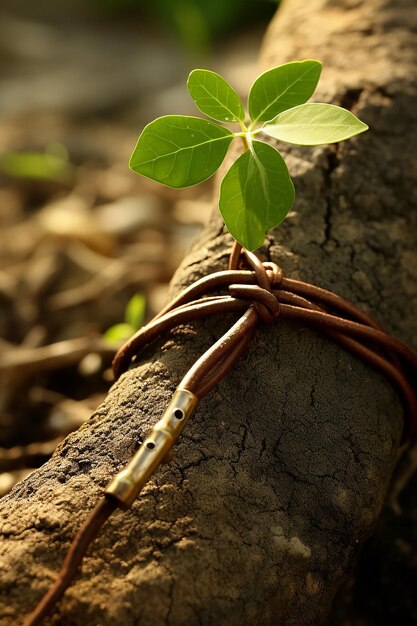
{"x": 258, "y": 292}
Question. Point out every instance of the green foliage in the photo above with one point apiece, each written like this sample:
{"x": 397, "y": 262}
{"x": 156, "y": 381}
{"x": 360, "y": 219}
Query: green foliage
{"x": 135, "y": 311}
{"x": 282, "y": 88}
{"x": 257, "y": 192}
{"x": 198, "y": 23}
{"x": 134, "y": 319}
{"x": 37, "y": 165}
{"x": 215, "y": 97}
{"x": 314, "y": 124}
{"x": 179, "y": 150}
{"x": 118, "y": 333}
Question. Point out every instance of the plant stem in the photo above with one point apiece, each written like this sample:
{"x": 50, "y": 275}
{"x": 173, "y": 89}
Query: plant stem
{"x": 245, "y": 142}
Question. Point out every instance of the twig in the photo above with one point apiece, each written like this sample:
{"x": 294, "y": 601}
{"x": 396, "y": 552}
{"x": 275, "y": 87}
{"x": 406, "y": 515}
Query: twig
{"x": 25, "y": 361}
{"x": 114, "y": 277}
{"x": 20, "y": 457}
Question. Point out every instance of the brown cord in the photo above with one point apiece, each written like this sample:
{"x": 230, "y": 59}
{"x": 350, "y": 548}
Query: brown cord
{"x": 218, "y": 359}
{"x": 161, "y": 325}
{"x": 375, "y": 346}
{"x": 85, "y": 536}
{"x": 260, "y": 292}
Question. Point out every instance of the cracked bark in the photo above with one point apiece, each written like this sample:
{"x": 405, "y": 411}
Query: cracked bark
{"x": 281, "y": 475}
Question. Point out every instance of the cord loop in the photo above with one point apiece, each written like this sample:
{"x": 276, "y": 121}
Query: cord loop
{"x": 258, "y": 293}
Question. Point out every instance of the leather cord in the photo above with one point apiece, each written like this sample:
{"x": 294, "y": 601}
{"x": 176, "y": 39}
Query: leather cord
{"x": 273, "y": 297}
{"x": 257, "y": 292}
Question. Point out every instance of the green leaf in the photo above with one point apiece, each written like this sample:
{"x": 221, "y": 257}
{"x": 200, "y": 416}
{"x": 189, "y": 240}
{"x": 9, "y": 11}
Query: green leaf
{"x": 180, "y": 151}
{"x": 36, "y": 165}
{"x": 315, "y": 124}
{"x": 135, "y": 311}
{"x": 118, "y": 333}
{"x": 215, "y": 97}
{"x": 256, "y": 194}
{"x": 281, "y": 88}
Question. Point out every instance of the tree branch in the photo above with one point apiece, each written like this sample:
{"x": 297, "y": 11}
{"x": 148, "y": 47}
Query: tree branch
{"x": 280, "y": 476}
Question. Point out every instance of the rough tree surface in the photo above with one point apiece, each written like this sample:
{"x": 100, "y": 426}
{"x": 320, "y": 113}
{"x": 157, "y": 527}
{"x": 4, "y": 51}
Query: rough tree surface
{"x": 281, "y": 475}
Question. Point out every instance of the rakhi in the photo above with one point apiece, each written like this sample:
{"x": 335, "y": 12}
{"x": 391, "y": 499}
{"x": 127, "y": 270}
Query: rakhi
{"x": 259, "y": 293}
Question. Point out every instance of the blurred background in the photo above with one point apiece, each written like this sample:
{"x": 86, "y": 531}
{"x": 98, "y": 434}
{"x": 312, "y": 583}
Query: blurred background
{"x": 86, "y": 245}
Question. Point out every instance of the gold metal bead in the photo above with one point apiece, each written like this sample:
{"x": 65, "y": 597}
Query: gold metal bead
{"x": 157, "y": 447}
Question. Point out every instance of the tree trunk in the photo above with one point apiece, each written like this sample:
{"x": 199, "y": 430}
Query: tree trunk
{"x": 281, "y": 474}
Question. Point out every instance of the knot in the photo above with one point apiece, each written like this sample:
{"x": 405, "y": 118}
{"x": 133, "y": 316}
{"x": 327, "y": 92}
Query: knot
{"x": 276, "y": 274}
{"x": 268, "y": 275}
{"x": 264, "y": 279}
{"x": 264, "y": 302}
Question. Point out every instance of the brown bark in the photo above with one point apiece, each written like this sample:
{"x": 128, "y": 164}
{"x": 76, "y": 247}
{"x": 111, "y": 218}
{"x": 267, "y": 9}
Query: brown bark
{"x": 281, "y": 475}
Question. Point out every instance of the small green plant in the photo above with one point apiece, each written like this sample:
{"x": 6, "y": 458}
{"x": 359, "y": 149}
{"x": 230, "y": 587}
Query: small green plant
{"x": 257, "y": 192}
{"x": 134, "y": 318}
{"x": 53, "y": 164}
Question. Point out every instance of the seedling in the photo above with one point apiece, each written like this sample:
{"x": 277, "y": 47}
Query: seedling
{"x": 134, "y": 318}
{"x": 52, "y": 165}
{"x": 257, "y": 192}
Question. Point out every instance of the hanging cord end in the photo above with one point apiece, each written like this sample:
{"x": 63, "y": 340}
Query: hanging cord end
{"x": 156, "y": 449}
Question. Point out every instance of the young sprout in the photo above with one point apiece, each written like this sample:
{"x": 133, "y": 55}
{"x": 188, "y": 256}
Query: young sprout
{"x": 134, "y": 319}
{"x": 257, "y": 192}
